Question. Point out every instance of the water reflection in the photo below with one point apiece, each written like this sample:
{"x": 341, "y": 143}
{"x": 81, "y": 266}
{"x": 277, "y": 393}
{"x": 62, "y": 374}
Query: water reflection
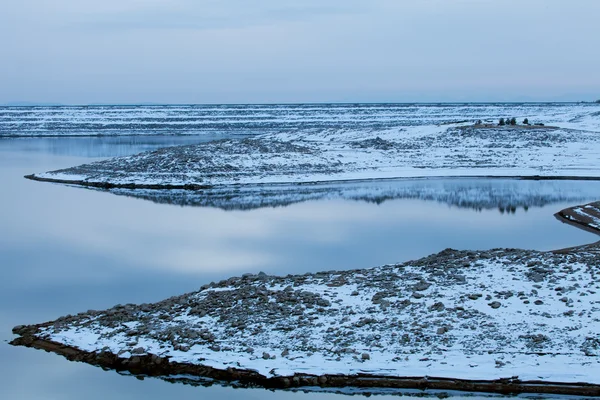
{"x": 506, "y": 195}
{"x": 311, "y": 392}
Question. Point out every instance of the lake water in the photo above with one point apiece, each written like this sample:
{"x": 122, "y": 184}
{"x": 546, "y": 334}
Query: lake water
{"x": 65, "y": 250}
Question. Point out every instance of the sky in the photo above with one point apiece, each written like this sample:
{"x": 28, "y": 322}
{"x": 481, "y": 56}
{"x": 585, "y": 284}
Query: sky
{"x": 270, "y": 51}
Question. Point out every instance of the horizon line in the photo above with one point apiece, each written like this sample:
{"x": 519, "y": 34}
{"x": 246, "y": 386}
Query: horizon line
{"x": 50, "y": 104}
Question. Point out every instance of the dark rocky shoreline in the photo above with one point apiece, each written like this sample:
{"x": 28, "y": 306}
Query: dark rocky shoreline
{"x": 586, "y": 216}
{"x": 151, "y": 365}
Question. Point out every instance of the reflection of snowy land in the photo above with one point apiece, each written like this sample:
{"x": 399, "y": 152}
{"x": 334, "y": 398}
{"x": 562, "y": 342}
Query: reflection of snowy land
{"x": 565, "y": 149}
{"x": 507, "y": 195}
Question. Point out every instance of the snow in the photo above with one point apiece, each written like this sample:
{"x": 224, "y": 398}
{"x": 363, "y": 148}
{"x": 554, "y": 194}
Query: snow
{"x": 569, "y": 148}
{"x": 431, "y": 317}
{"x": 291, "y": 118}
{"x": 457, "y": 314}
{"x": 587, "y": 215}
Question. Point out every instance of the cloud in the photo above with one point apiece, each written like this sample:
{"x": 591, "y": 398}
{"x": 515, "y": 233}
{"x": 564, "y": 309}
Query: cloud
{"x": 208, "y": 14}
{"x": 208, "y": 51}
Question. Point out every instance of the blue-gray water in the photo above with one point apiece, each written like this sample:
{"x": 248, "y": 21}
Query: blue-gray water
{"x": 65, "y": 250}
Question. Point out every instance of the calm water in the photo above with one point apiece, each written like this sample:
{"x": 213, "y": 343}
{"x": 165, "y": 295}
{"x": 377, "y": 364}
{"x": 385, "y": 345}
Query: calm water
{"x": 65, "y": 250}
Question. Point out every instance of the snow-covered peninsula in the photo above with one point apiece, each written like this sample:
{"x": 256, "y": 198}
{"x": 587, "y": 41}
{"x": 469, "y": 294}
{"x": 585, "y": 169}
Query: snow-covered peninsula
{"x": 570, "y": 147}
{"x": 511, "y": 320}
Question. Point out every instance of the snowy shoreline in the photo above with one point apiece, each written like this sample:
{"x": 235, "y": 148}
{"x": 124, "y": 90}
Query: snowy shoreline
{"x": 198, "y": 120}
{"x": 509, "y": 319}
{"x": 565, "y": 151}
{"x": 586, "y": 217}
{"x": 150, "y": 365}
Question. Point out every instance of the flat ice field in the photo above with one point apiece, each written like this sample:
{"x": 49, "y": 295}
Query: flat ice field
{"x": 567, "y": 145}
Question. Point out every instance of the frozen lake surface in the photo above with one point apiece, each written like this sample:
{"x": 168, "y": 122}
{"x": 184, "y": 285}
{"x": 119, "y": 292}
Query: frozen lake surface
{"x": 65, "y": 250}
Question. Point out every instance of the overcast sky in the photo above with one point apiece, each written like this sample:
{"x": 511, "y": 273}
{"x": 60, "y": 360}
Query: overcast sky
{"x": 266, "y": 51}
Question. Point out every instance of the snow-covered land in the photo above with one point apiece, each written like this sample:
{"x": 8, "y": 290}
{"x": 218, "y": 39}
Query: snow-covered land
{"x": 258, "y": 119}
{"x": 568, "y": 148}
{"x": 586, "y": 216}
{"x": 485, "y": 315}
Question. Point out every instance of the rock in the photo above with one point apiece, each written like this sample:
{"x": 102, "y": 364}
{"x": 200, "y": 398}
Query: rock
{"x": 365, "y": 356}
{"x": 135, "y": 361}
{"x": 538, "y": 302}
{"x": 442, "y": 330}
{"x": 495, "y": 304}
{"x": 266, "y": 356}
{"x": 421, "y": 286}
{"x": 285, "y": 382}
{"x": 156, "y": 359}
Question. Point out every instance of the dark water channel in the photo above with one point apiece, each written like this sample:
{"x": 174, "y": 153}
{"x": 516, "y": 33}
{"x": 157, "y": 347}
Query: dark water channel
{"x": 64, "y": 250}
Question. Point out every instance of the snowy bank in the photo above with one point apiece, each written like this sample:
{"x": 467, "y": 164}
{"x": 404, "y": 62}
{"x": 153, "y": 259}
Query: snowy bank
{"x": 198, "y": 120}
{"x": 585, "y": 216}
{"x": 502, "y": 320}
{"x": 459, "y": 149}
